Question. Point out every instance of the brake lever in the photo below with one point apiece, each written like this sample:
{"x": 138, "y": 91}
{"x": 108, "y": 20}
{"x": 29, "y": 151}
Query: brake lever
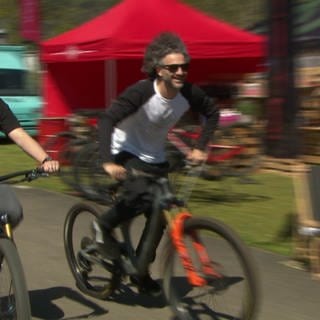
{"x": 36, "y": 173}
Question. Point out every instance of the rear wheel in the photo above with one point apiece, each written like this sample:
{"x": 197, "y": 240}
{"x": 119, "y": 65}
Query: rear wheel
{"x": 94, "y": 276}
{"x": 14, "y": 296}
{"x": 230, "y": 294}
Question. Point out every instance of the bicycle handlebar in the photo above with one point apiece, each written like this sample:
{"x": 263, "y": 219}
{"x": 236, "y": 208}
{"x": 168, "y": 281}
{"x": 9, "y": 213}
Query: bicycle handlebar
{"x": 28, "y": 175}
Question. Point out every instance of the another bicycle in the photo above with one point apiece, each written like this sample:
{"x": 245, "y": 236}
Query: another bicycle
{"x": 208, "y": 272}
{"x": 14, "y": 296}
{"x": 65, "y": 146}
{"x": 235, "y": 152}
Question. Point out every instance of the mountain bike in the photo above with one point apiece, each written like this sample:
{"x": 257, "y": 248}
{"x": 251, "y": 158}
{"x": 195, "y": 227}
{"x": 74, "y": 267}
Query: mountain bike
{"x": 14, "y": 296}
{"x": 208, "y": 272}
{"x": 65, "y": 146}
{"x": 235, "y": 151}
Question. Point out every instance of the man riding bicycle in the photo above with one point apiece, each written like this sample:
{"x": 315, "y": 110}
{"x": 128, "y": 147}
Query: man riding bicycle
{"x": 133, "y": 133}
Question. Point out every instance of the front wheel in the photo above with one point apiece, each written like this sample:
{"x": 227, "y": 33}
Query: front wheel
{"x": 14, "y": 296}
{"x": 229, "y": 292}
{"x": 94, "y": 276}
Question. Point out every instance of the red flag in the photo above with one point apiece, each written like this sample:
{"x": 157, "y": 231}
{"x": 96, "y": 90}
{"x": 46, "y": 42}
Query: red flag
{"x": 30, "y": 22}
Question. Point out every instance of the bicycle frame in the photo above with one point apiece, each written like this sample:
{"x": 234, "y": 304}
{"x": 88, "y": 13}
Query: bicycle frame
{"x": 27, "y": 175}
{"x": 172, "y": 209}
{"x": 165, "y": 205}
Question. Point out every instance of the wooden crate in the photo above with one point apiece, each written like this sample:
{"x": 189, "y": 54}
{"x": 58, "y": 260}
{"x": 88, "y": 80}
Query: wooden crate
{"x": 310, "y": 137}
{"x": 285, "y": 165}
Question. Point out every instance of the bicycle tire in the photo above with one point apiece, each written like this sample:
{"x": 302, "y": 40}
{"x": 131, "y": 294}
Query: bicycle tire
{"x": 83, "y": 163}
{"x": 238, "y": 294}
{"x": 14, "y": 296}
{"x": 92, "y": 180}
{"x": 94, "y": 279}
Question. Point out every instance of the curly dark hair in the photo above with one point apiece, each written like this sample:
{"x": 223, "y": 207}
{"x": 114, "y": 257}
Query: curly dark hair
{"x": 165, "y": 43}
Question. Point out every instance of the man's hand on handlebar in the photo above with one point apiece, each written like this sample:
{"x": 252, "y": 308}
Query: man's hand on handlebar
{"x": 197, "y": 156}
{"x": 115, "y": 171}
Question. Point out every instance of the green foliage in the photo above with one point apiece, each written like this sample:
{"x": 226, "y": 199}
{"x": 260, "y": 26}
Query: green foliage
{"x": 9, "y": 19}
{"x": 59, "y": 15}
{"x": 249, "y": 107}
{"x": 240, "y": 13}
{"x": 71, "y": 15}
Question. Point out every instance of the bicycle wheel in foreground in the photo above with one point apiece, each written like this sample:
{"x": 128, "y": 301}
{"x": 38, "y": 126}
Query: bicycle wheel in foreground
{"x": 14, "y": 296}
{"x": 94, "y": 276}
{"x": 233, "y": 295}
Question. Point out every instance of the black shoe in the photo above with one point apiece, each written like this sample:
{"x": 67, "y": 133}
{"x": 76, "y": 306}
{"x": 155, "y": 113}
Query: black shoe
{"x": 108, "y": 246}
{"x": 147, "y": 285}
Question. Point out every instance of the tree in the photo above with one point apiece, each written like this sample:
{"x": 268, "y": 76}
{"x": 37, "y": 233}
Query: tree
{"x": 59, "y": 16}
{"x": 240, "y": 13}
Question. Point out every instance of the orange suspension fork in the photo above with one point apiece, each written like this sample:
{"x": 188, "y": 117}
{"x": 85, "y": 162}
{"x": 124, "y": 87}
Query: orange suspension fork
{"x": 177, "y": 231}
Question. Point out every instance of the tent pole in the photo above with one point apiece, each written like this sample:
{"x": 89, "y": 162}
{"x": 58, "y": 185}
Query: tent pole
{"x": 110, "y": 81}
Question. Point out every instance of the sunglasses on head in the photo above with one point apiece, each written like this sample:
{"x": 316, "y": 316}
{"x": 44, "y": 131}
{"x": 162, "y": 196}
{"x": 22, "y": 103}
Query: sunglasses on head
{"x": 175, "y": 67}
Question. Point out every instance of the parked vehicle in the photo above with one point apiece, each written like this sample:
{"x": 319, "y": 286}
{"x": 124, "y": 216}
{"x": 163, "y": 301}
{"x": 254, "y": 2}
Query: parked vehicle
{"x": 18, "y": 87}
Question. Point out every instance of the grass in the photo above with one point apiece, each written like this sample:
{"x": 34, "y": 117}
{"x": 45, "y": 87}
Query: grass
{"x": 261, "y": 212}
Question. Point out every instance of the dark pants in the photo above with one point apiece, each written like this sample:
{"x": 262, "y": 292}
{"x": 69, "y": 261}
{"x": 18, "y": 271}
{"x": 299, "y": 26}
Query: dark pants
{"x": 136, "y": 199}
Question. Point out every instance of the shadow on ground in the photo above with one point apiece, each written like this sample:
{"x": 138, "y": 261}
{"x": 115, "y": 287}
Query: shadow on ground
{"x": 44, "y": 307}
{"x": 128, "y": 295}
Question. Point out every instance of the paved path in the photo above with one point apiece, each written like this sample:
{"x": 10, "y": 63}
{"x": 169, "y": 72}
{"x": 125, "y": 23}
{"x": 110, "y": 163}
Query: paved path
{"x": 288, "y": 294}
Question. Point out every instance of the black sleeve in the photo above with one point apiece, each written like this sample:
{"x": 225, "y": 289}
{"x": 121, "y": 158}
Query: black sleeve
{"x": 8, "y": 120}
{"x": 201, "y": 103}
{"x": 127, "y": 103}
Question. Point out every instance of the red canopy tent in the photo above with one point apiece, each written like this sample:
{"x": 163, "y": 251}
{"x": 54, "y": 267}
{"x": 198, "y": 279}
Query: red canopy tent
{"x": 87, "y": 66}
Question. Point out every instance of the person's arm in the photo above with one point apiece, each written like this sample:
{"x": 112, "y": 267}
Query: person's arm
{"x": 126, "y": 104}
{"x": 33, "y": 149}
{"x": 205, "y": 105}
